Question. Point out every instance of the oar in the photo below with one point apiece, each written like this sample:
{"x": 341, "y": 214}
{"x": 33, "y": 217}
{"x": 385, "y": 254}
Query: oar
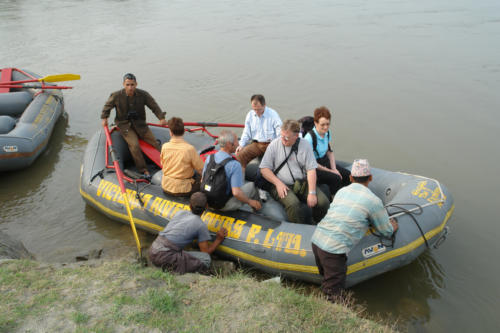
{"x": 48, "y": 78}
{"x": 34, "y": 87}
{"x": 119, "y": 175}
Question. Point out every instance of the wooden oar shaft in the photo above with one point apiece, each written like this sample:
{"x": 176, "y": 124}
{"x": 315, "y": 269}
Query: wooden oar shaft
{"x": 48, "y": 78}
{"x": 119, "y": 175}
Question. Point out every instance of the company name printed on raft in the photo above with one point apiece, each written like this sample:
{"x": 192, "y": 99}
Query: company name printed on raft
{"x": 282, "y": 241}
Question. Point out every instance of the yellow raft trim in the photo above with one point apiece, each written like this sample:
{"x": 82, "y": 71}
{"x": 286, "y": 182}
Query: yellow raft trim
{"x": 119, "y": 215}
{"x": 293, "y": 267}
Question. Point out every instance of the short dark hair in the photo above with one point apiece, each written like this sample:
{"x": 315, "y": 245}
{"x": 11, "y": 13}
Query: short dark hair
{"x": 198, "y": 203}
{"x": 321, "y": 112}
{"x": 176, "y": 125}
{"x": 363, "y": 179}
{"x": 129, "y": 76}
{"x": 259, "y": 98}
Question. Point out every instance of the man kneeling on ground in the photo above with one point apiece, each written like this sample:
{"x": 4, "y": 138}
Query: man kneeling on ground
{"x": 167, "y": 249}
{"x": 353, "y": 208}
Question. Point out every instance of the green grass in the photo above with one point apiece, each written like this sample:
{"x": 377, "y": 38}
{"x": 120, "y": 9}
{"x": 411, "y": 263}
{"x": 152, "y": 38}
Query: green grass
{"x": 120, "y": 295}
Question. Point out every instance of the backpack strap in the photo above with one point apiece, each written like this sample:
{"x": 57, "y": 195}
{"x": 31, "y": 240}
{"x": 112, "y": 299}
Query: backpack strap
{"x": 314, "y": 141}
{"x": 295, "y": 148}
{"x": 222, "y": 163}
{"x": 329, "y": 148}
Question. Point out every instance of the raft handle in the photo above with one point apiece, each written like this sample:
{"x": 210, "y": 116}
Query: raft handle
{"x": 442, "y": 238}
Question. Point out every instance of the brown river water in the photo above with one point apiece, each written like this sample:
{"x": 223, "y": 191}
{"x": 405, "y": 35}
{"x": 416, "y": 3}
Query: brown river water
{"x": 413, "y": 86}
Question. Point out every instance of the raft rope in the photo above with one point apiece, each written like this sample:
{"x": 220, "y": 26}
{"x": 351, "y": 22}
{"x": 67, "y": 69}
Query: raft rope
{"x": 418, "y": 209}
{"x": 415, "y": 211}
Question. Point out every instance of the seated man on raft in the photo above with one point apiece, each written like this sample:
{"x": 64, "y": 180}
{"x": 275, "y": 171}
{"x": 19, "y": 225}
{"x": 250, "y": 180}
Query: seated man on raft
{"x": 262, "y": 125}
{"x": 167, "y": 251}
{"x": 289, "y": 165}
{"x": 179, "y": 161}
{"x": 222, "y": 179}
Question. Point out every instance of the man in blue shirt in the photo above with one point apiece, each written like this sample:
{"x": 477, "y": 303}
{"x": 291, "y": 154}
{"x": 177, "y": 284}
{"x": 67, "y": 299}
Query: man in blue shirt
{"x": 353, "y": 208}
{"x": 167, "y": 251}
{"x": 262, "y": 125}
{"x": 238, "y": 192}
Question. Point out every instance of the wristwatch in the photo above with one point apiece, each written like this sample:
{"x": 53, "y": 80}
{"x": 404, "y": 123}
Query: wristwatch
{"x": 312, "y": 192}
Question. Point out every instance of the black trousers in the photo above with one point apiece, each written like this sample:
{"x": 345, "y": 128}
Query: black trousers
{"x": 333, "y": 268}
{"x": 332, "y": 180}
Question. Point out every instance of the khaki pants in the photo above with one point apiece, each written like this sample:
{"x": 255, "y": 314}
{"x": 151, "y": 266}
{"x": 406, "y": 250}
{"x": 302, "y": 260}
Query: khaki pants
{"x": 296, "y": 208}
{"x": 251, "y": 151}
{"x": 132, "y": 139}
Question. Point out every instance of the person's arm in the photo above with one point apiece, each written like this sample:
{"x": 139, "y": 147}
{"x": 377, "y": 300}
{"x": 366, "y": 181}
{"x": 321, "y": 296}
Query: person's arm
{"x": 277, "y": 126}
{"x": 246, "y": 135}
{"x": 333, "y": 165}
{"x": 197, "y": 162}
{"x": 106, "y": 110}
{"x": 219, "y": 237}
{"x": 238, "y": 194}
{"x": 312, "y": 198}
{"x": 381, "y": 221}
{"x": 394, "y": 224}
{"x": 151, "y": 103}
{"x": 269, "y": 175}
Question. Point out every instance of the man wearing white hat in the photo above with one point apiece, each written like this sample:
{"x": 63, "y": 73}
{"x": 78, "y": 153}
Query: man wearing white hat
{"x": 353, "y": 209}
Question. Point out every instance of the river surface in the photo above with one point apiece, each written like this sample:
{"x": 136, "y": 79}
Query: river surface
{"x": 413, "y": 86}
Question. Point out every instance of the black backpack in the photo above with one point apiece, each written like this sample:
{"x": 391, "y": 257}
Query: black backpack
{"x": 214, "y": 183}
{"x": 306, "y": 125}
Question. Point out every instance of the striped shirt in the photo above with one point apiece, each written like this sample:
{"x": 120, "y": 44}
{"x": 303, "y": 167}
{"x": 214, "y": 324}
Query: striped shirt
{"x": 348, "y": 219}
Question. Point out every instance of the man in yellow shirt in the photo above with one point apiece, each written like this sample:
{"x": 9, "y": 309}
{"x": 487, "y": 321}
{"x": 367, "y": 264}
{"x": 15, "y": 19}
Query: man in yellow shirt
{"x": 179, "y": 160}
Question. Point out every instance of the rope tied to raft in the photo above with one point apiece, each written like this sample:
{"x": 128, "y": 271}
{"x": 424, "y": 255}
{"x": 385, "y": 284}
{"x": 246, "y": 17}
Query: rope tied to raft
{"x": 418, "y": 210}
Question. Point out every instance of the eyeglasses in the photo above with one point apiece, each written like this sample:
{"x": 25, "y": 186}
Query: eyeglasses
{"x": 287, "y": 138}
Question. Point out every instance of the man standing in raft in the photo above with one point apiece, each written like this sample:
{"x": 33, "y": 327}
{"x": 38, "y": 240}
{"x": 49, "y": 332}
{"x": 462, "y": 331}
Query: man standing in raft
{"x": 353, "y": 209}
{"x": 130, "y": 103}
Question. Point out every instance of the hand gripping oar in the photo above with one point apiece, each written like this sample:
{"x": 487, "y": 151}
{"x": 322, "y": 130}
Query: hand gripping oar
{"x": 119, "y": 175}
{"x": 48, "y": 78}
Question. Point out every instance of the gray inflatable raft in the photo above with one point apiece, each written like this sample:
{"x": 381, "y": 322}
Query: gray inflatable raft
{"x": 27, "y": 118}
{"x": 265, "y": 240}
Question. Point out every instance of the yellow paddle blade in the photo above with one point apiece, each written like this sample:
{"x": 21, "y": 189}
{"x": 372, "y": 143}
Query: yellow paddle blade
{"x": 60, "y": 77}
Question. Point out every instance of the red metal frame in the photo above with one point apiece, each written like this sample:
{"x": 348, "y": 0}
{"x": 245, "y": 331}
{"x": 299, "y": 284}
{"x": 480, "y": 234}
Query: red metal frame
{"x": 5, "y": 87}
{"x": 113, "y": 166}
{"x": 201, "y": 128}
{"x": 34, "y": 87}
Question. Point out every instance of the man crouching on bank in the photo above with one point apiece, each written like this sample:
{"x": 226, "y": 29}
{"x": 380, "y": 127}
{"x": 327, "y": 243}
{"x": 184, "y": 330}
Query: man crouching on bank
{"x": 353, "y": 209}
{"x": 167, "y": 249}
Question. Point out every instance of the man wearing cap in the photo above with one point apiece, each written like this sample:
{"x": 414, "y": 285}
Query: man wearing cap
{"x": 130, "y": 103}
{"x": 353, "y": 210}
{"x": 167, "y": 249}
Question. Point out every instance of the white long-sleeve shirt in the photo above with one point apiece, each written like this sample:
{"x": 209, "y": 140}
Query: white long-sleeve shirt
{"x": 265, "y": 128}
